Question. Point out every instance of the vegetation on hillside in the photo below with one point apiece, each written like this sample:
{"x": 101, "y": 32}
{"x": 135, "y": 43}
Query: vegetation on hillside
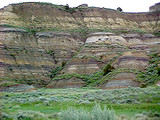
{"x": 152, "y": 73}
{"x": 87, "y": 103}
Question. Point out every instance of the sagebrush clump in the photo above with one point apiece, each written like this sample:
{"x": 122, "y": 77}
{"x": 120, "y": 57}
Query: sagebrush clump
{"x": 79, "y": 114}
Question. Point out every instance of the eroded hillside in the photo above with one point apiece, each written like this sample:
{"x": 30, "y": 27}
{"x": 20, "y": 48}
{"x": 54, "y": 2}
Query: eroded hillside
{"x": 44, "y": 16}
{"x": 49, "y": 45}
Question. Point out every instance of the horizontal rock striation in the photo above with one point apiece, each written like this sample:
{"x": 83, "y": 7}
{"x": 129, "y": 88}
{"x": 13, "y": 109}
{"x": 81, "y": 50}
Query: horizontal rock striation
{"x": 40, "y": 41}
{"x": 121, "y": 80}
{"x": 67, "y": 83}
{"x": 28, "y": 58}
{"x": 41, "y": 16}
{"x": 123, "y": 51}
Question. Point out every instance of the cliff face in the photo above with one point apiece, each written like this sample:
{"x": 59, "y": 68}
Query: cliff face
{"x": 39, "y": 15}
{"x": 39, "y": 42}
{"x": 155, "y": 8}
{"x": 29, "y": 58}
{"x": 125, "y": 52}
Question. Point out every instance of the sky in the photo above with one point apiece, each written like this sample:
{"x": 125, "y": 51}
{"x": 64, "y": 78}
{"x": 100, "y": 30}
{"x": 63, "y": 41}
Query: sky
{"x": 126, "y": 5}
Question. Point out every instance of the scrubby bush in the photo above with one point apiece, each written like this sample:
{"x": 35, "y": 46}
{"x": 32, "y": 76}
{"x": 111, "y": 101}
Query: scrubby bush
{"x": 5, "y": 116}
{"x": 66, "y": 7}
{"x": 83, "y": 101}
{"x": 79, "y": 114}
{"x": 102, "y": 114}
{"x": 129, "y": 95}
{"x": 55, "y": 71}
{"x": 107, "y": 69}
{"x": 157, "y": 33}
{"x": 64, "y": 63}
{"x": 158, "y": 70}
{"x": 141, "y": 117}
{"x": 143, "y": 85}
{"x": 31, "y": 115}
{"x": 24, "y": 117}
{"x": 119, "y": 9}
{"x": 74, "y": 114}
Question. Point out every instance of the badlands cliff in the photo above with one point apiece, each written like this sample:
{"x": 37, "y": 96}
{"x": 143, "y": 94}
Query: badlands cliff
{"x": 48, "y": 45}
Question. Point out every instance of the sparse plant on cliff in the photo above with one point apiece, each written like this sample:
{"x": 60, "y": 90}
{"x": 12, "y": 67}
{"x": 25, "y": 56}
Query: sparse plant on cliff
{"x": 55, "y": 71}
{"x": 119, "y": 9}
{"x": 66, "y": 7}
{"x": 152, "y": 73}
{"x": 51, "y": 52}
{"x": 12, "y": 54}
{"x": 158, "y": 70}
{"x": 108, "y": 69}
{"x": 157, "y": 33}
{"x": 64, "y": 63}
{"x": 33, "y": 31}
{"x": 98, "y": 59}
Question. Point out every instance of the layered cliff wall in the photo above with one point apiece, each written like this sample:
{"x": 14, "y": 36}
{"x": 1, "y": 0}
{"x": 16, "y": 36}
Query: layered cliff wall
{"x": 42, "y": 16}
{"x": 44, "y": 44}
{"x": 29, "y": 58}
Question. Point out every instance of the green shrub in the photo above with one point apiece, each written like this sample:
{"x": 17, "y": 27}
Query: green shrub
{"x": 158, "y": 70}
{"x": 51, "y": 52}
{"x": 55, "y": 71}
{"x": 143, "y": 85}
{"x": 119, "y": 9}
{"x": 74, "y": 114}
{"x": 31, "y": 115}
{"x": 33, "y": 31}
{"x": 157, "y": 33}
{"x": 79, "y": 114}
{"x": 5, "y": 116}
{"x": 152, "y": 73}
{"x": 64, "y": 63}
{"x": 66, "y": 7}
{"x": 102, "y": 114}
{"x": 107, "y": 69}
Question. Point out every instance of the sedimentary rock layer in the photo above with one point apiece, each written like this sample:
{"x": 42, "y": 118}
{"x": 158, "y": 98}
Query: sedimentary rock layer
{"x": 38, "y": 15}
{"x": 30, "y": 58}
{"x": 37, "y": 40}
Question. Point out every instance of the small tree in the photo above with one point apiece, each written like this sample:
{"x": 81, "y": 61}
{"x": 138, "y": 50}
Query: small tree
{"x": 107, "y": 69}
{"x": 119, "y": 9}
{"x": 66, "y": 7}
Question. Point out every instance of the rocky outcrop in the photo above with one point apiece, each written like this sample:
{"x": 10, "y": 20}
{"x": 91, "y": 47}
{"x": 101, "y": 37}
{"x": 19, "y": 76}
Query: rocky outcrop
{"x": 11, "y": 86}
{"x": 67, "y": 83}
{"x": 136, "y": 60}
{"x": 83, "y": 6}
{"x": 122, "y": 51}
{"x": 17, "y": 88}
{"x": 29, "y": 58}
{"x": 155, "y": 8}
{"x": 121, "y": 80}
{"x": 99, "y": 49}
{"x": 130, "y": 49}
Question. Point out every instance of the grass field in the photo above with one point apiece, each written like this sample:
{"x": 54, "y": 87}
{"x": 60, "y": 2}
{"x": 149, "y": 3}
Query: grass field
{"x": 45, "y": 104}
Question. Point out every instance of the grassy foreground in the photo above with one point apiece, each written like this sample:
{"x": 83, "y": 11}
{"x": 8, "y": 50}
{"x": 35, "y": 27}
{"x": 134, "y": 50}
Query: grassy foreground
{"x": 62, "y": 104}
